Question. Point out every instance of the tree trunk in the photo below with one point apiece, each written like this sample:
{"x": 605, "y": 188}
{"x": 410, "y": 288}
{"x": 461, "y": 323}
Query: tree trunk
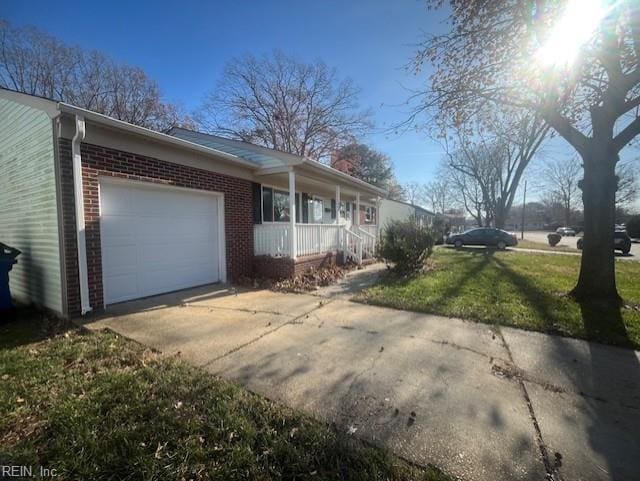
{"x": 597, "y": 279}
{"x": 567, "y": 213}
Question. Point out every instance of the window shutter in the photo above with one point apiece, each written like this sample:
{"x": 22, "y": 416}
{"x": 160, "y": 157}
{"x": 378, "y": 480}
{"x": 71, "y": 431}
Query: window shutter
{"x": 305, "y": 208}
{"x": 333, "y": 208}
{"x": 257, "y": 202}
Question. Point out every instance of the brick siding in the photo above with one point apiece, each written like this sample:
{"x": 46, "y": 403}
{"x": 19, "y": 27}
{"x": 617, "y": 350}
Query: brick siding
{"x": 102, "y": 161}
{"x": 284, "y": 267}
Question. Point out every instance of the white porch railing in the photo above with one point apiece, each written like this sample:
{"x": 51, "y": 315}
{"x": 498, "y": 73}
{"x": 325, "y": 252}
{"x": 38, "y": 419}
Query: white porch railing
{"x": 369, "y": 240}
{"x": 274, "y": 240}
{"x": 369, "y": 229}
{"x": 271, "y": 240}
{"x": 317, "y": 238}
{"x": 352, "y": 245}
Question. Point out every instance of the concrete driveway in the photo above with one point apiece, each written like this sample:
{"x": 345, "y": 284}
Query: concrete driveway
{"x": 478, "y": 402}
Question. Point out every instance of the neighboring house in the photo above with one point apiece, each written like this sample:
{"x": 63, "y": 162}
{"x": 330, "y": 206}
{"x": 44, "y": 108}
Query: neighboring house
{"x": 105, "y": 211}
{"x": 391, "y": 210}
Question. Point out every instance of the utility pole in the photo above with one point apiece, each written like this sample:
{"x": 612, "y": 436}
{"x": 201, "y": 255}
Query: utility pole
{"x": 524, "y": 205}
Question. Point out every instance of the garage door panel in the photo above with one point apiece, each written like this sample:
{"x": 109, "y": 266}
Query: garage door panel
{"x": 122, "y": 259}
{"x": 121, "y": 201}
{"x": 115, "y": 227}
{"x": 157, "y": 240}
{"x": 121, "y": 287}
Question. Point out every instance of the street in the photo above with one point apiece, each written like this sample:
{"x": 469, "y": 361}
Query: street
{"x": 570, "y": 241}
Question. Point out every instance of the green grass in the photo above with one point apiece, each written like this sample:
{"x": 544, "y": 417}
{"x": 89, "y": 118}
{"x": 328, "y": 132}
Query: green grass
{"x": 517, "y": 289}
{"x": 97, "y": 406}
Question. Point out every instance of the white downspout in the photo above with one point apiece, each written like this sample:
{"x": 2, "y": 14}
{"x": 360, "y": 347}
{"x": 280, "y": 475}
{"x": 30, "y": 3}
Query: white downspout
{"x": 80, "y": 225}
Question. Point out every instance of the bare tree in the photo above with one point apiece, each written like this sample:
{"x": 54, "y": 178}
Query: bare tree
{"x": 560, "y": 179}
{"x": 438, "y": 194}
{"x": 470, "y": 194}
{"x": 627, "y": 191}
{"x": 525, "y": 55}
{"x": 282, "y": 103}
{"x": 493, "y": 155}
{"x": 414, "y": 192}
{"x": 38, "y": 64}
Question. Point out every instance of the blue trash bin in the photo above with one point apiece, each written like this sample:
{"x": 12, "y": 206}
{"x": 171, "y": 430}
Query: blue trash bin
{"x": 7, "y": 260}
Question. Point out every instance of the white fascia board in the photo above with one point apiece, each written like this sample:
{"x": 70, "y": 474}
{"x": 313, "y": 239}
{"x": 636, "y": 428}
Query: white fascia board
{"x": 274, "y": 170}
{"x": 345, "y": 178}
{"x": 152, "y": 134}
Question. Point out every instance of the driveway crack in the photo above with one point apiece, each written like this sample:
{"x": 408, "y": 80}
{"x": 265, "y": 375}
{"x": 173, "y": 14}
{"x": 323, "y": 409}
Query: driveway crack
{"x": 295, "y": 320}
{"x": 550, "y": 468}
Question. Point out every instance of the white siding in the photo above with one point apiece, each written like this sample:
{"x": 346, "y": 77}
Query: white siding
{"x": 28, "y": 207}
{"x": 391, "y": 210}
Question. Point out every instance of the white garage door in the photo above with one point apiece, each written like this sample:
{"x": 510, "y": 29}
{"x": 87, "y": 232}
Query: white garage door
{"x": 157, "y": 239}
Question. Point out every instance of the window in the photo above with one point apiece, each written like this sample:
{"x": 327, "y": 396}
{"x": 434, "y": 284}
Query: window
{"x": 275, "y": 205}
{"x": 280, "y": 206}
{"x": 318, "y": 210}
{"x": 370, "y": 215}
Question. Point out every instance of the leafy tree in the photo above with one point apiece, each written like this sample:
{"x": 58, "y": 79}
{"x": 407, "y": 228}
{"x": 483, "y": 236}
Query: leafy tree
{"x": 284, "y": 104}
{"x": 35, "y": 63}
{"x": 365, "y": 163}
{"x": 575, "y": 64}
{"x": 395, "y": 191}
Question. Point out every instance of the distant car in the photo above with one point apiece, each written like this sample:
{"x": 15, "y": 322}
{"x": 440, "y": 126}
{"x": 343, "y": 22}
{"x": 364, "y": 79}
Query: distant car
{"x": 565, "y": 231}
{"x": 621, "y": 242}
{"x": 483, "y": 236}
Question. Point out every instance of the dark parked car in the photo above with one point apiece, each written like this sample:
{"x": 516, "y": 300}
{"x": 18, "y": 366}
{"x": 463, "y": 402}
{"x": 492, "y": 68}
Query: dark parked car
{"x": 621, "y": 242}
{"x": 483, "y": 236}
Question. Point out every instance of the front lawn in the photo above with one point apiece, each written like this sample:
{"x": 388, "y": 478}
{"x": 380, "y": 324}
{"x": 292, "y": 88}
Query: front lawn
{"x": 98, "y": 407}
{"x": 518, "y": 289}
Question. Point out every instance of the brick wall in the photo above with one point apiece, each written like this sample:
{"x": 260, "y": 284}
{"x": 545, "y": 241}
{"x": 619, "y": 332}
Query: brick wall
{"x": 103, "y": 161}
{"x": 283, "y": 267}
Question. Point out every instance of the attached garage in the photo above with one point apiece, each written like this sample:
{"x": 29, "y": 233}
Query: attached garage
{"x": 158, "y": 238}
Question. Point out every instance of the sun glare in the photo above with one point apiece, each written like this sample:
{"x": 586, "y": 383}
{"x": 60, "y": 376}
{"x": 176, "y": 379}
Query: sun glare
{"x": 572, "y": 30}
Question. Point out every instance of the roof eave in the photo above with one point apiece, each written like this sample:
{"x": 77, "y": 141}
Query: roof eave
{"x": 345, "y": 177}
{"x": 158, "y": 136}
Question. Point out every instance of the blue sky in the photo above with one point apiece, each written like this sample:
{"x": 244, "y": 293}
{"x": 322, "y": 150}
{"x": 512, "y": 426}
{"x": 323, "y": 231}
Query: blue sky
{"x": 184, "y": 46}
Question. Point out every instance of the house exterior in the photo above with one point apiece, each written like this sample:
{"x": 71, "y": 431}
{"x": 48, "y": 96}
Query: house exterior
{"x": 104, "y": 211}
{"x": 391, "y": 210}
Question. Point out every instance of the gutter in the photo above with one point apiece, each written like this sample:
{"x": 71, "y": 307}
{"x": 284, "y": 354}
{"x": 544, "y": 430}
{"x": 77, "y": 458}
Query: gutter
{"x": 78, "y": 137}
{"x": 142, "y": 131}
{"x": 346, "y": 177}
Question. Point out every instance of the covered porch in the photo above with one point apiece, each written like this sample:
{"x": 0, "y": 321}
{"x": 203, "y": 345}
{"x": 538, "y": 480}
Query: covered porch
{"x": 313, "y": 210}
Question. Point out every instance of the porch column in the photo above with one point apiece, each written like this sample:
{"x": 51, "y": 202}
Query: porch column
{"x": 357, "y": 216}
{"x": 293, "y": 240}
{"x": 378, "y": 217}
{"x": 339, "y": 230}
{"x": 337, "y": 204}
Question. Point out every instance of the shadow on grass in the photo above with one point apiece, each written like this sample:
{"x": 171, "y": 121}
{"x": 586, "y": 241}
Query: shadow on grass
{"x": 26, "y": 325}
{"x": 611, "y": 371}
{"x": 401, "y": 279}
